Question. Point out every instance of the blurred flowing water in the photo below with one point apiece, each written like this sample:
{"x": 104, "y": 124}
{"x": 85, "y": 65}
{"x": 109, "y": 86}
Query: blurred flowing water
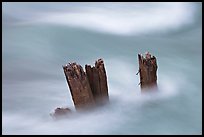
{"x": 38, "y": 38}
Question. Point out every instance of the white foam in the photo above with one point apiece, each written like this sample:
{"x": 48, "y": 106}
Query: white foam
{"x": 137, "y": 18}
{"x": 124, "y": 86}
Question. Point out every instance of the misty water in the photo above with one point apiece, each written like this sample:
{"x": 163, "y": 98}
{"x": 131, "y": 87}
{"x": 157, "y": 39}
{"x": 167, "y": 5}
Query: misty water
{"x": 38, "y": 38}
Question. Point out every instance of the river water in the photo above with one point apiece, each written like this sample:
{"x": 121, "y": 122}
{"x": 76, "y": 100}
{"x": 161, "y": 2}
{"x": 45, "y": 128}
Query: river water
{"x": 38, "y": 38}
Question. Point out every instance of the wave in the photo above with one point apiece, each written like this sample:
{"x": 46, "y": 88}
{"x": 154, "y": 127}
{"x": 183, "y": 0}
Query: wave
{"x": 114, "y": 18}
{"x": 124, "y": 19}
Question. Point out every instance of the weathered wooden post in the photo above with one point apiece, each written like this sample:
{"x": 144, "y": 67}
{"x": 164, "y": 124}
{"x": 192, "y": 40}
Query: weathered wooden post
{"x": 98, "y": 81}
{"x": 79, "y": 86}
{"x": 148, "y": 71}
{"x": 87, "y": 89}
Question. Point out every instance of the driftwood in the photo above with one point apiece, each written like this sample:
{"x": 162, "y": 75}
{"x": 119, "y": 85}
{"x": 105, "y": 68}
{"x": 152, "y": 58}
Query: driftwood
{"x": 148, "y": 71}
{"x": 87, "y": 89}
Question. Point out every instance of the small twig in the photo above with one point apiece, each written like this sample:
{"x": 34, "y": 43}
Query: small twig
{"x": 138, "y": 72}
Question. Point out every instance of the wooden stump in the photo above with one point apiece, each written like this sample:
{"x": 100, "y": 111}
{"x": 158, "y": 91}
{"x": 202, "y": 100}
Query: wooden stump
{"x": 98, "y": 82}
{"x": 79, "y": 86}
{"x": 87, "y": 89}
{"x": 148, "y": 71}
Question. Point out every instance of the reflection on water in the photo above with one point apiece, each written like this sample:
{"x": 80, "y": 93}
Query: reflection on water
{"x": 38, "y": 38}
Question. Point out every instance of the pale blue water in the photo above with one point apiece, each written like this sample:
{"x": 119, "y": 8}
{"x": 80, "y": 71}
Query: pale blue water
{"x": 38, "y": 38}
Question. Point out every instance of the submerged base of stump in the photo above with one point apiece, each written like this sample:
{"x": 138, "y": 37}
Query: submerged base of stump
{"x": 148, "y": 71}
{"x": 90, "y": 88}
{"x": 61, "y": 113}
